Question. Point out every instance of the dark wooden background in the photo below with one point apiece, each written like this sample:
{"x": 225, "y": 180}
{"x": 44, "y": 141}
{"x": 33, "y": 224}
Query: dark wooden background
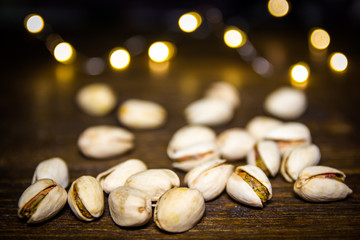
{"x": 40, "y": 120}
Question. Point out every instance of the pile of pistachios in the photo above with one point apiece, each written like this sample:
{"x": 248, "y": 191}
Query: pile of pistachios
{"x": 269, "y": 146}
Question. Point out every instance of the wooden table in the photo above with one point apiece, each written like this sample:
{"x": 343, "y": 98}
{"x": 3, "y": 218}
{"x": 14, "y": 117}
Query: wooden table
{"x": 40, "y": 120}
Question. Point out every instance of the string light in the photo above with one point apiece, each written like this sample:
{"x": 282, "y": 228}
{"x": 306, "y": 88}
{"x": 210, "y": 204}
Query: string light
{"x": 34, "y": 23}
{"x": 278, "y": 8}
{"x": 234, "y": 37}
{"x": 119, "y": 58}
{"x": 338, "y": 62}
{"x": 319, "y": 38}
{"x": 64, "y": 53}
{"x": 161, "y": 51}
{"x": 189, "y": 22}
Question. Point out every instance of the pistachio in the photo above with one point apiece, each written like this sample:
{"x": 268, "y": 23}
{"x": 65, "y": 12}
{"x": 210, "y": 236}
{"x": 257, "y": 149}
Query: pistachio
{"x": 286, "y": 103}
{"x": 41, "y": 201}
{"x": 117, "y": 175}
{"x": 235, "y": 143}
{"x": 105, "y": 141}
{"x": 53, "y": 168}
{"x": 154, "y": 181}
{"x": 321, "y": 184}
{"x": 179, "y": 209}
{"x": 297, "y": 159}
{"x": 249, "y": 185}
{"x": 96, "y": 99}
{"x": 86, "y": 198}
{"x": 209, "y": 178}
{"x": 265, "y": 155}
{"x": 224, "y": 91}
{"x": 259, "y": 126}
{"x": 141, "y": 114}
{"x": 129, "y": 207}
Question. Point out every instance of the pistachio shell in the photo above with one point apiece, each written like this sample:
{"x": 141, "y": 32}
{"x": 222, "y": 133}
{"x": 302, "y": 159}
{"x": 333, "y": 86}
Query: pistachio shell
{"x": 117, "y": 175}
{"x": 224, "y": 91}
{"x": 129, "y": 207}
{"x": 179, "y": 209}
{"x": 41, "y": 201}
{"x": 259, "y": 126}
{"x": 53, "y": 168}
{"x": 321, "y": 184}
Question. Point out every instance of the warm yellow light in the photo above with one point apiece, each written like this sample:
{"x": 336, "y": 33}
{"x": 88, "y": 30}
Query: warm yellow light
{"x": 64, "y": 52}
{"x": 300, "y": 72}
{"x": 338, "y": 62}
{"x": 34, "y": 23}
{"x": 319, "y": 39}
{"x": 119, "y": 58}
{"x": 234, "y": 37}
{"x": 161, "y": 51}
{"x": 278, "y": 8}
{"x": 189, "y": 22}
{"x": 159, "y": 67}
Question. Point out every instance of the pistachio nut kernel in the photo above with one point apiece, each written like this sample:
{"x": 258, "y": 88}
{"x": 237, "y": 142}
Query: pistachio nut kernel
{"x": 41, "y": 201}
{"x": 53, "y": 168}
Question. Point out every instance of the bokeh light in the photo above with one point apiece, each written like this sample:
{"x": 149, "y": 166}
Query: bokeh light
{"x": 34, "y": 23}
{"x": 119, "y": 58}
{"x": 189, "y": 22}
{"x": 94, "y": 66}
{"x": 161, "y": 51}
{"x": 338, "y": 62}
{"x": 319, "y": 39}
{"x": 64, "y": 53}
{"x": 300, "y": 72}
{"x": 234, "y": 37}
{"x": 278, "y": 8}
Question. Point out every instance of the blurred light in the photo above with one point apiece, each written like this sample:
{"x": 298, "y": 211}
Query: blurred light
{"x": 34, "y": 23}
{"x": 64, "y": 53}
{"x": 234, "y": 37}
{"x": 159, "y": 67}
{"x": 319, "y": 39}
{"x": 64, "y": 73}
{"x": 161, "y": 51}
{"x": 262, "y": 66}
{"x": 247, "y": 52}
{"x": 278, "y": 8}
{"x": 135, "y": 45}
{"x": 300, "y": 72}
{"x": 52, "y": 41}
{"x": 119, "y": 58}
{"x": 189, "y": 22}
{"x": 338, "y": 62}
{"x": 94, "y": 66}
{"x": 214, "y": 16}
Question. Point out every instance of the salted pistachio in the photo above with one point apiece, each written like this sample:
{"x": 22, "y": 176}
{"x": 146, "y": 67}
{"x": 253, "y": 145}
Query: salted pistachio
{"x": 224, "y": 91}
{"x": 209, "y": 178}
{"x": 141, "y": 114}
{"x": 209, "y": 111}
{"x": 96, "y": 99}
{"x": 321, "y": 184}
{"x": 86, "y": 198}
{"x": 289, "y": 135}
{"x": 53, "y": 168}
{"x": 105, "y": 141}
{"x": 286, "y": 103}
{"x": 154, "y": 182}
{"x": 249, "y": 185}
{"x": 259, "y": 126}
{"x": 297, "y": 159}
{"x": 129, "y": 207}
{"x": 41, "y": 201}
{"x": 265, "y": 155}
{"x": 179, "y": 209}
{"x": 235, "y": 143}
{"x": 117, "y": 175}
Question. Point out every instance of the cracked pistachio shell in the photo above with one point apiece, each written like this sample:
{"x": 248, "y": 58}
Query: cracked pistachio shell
{"x": 286, "y": 103}
{"x": 154, "y": 182}
{"x": 41, "y": 201}
{"x": 249, "y": 185}
{"x": 130, "y": 207}
{"x": 259, "y": 126}
{"x": 209, "y": 178}
{"x": 224, "y": 91}
{"x": 265, "y": 155}
{"x": 141, "y": 114}
{"x": 209, "y": 111}
{"x": 86, "y": 198}
{"x": 105, "y": 141}
{"x": 297, "y": 159}
{"x": 97, "y": 99}
{"x": 235, "y": 143}
{"x": 117, "y": 175}
{"x": 53, "y": 168}
{"x": 179, "y": 209}
{"x": 321, "y": 184}
{"x": 289, "y": 135}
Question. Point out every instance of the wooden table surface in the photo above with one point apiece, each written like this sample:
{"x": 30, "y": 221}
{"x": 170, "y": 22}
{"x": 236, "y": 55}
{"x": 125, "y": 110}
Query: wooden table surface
{"x": 40, "y": 120}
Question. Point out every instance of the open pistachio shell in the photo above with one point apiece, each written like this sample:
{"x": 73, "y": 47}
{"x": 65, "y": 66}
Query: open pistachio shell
{"x": 55, "y": 169}
{"x": 259, "y": 126}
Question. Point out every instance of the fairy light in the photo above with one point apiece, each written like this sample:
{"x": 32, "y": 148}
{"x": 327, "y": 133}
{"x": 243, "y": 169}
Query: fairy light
{"x": 299, "y": 72}
{"x": 319, "y": 39}
{"x": 278, "y": 8}
{"x": 64, "y": 53}
{"x": 234, "y": 37}
{"x": 189, "y": 22}
{"x": 161, "y": 51}
{"x": 34, "y": 23}
{"x": 338, "y": 62}
{"x": 119, "y": 58}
